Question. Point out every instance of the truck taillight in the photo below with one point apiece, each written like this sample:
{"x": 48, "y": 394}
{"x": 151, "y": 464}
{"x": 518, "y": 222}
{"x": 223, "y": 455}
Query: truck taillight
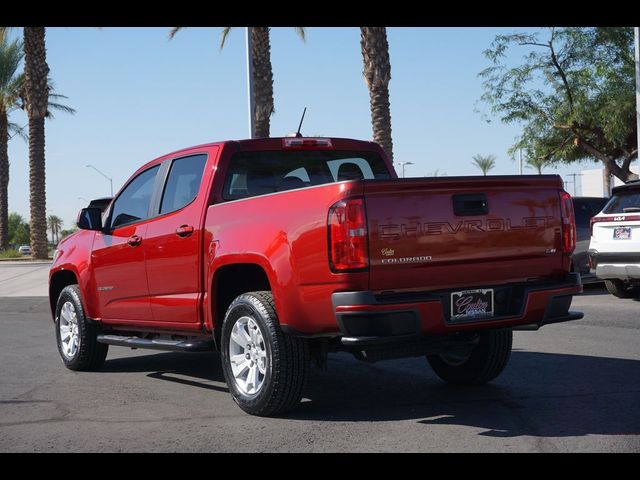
{"x": 347, "y": 223}
{"x": 568, "y": 223}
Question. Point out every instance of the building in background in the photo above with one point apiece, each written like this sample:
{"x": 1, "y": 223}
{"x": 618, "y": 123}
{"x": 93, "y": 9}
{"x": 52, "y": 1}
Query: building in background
{"x": 592, "y": 182}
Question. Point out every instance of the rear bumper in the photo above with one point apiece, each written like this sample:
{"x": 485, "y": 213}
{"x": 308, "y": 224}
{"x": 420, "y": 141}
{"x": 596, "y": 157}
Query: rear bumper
{"x": 623, "y": 266}
{"x": 366, "y": 318}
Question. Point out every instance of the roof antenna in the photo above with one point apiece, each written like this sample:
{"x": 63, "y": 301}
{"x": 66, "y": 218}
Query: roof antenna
{"x": 298, "y": 134}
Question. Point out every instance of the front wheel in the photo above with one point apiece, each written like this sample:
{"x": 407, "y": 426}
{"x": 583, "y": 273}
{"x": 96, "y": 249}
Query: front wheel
{"x": 265, "y": 369}
{"x": 475, "y": 366}
{"x": 76, "y": 334}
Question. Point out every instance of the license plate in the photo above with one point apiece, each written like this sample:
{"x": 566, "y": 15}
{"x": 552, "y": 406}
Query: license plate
{"x": 472, "y": 304}
{"x": 622, "y": 233}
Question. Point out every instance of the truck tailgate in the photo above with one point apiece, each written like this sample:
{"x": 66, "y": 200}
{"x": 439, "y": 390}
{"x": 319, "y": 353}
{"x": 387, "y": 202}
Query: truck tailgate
{"x": 448, "y": 232}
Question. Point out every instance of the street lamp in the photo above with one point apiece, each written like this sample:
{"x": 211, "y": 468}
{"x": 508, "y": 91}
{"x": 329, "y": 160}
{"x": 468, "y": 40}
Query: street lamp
{"x": 101, "y": 173}
{"x": 403, "y": 164}
{"x": 83, "y": 199}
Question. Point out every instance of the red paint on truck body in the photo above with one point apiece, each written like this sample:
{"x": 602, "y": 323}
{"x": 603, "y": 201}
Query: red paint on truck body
{"x": 168, "y": 282}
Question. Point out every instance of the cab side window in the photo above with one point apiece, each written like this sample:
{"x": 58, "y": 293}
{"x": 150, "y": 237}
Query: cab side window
{"x": 132, "y": 205}
{"x": 183, "y": 183}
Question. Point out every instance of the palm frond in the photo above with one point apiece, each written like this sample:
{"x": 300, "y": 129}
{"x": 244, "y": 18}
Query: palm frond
{"x": 301, "y": 33}
{"x": 11, "y": 54}
{"x": 53, "y": 106}
{"x": 16, "y": 130}
{"x": 225, "y": 34}
{"x": 174, "y": 30}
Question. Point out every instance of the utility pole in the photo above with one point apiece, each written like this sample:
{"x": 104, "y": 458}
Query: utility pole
{"x": 250, "y": 91}
{"x": 574, "y": 175}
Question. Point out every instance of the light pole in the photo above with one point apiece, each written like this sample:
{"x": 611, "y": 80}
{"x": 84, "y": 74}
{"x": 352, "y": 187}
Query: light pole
{"x": 101, "y": 173}
{"x": 250, "y": 91}
{"x": 403, "y": 164}
{"x": 83, "y": 199}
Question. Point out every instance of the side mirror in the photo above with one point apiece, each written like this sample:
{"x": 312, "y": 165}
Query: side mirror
{"x": 90, "y": 218}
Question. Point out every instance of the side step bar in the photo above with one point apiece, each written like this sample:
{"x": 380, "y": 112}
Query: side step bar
{"x": 189, "y": 345}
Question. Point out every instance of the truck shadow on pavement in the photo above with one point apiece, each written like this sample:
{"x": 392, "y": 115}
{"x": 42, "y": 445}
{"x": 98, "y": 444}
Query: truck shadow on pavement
{"x": 538, "y": 394}
{"x": 202, "y": 369}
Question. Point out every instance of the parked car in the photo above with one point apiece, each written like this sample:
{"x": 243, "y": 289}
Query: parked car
{"x": 585, "y": 208}
{"x": 277, "y": 250}
{"x": 25, "y": 250}
{"x": 614, "y": 251}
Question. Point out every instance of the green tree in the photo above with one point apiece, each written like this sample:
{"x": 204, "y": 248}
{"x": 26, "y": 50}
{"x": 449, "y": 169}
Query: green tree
{"x": 573, "y": 93}
{"x": 377, "y": 74}
{"x": 484, "y": 162}
{"x": 55, "y": 225}
{"x": 262, "y": 74}
{"x": 18, "y": 230}
{"x": 68, "y": 231}
{"x": 10, "y": 90}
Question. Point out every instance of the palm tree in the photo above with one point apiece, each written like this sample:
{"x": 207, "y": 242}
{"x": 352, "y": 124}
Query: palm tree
{"x": 10, "y": 89}
{"x": 55, "y": 224}
{"x": 484, "y": 162}
{"x": 537, "y": 163}
{"x": 377, "y": 74}
{"x": 36, "y": 96}
{"x": 262, "y": 74}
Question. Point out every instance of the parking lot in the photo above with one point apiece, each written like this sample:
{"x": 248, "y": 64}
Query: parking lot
{"x": 569, "y": 387}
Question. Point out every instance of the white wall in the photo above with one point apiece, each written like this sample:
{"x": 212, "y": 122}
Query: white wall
{"x": 592, "y": 181}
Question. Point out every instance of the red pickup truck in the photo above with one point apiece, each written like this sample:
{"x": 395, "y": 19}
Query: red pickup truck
{"x": 277, "y": 251}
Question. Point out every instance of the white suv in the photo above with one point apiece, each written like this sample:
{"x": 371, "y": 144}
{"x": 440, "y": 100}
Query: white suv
{"x": 614, "y": 251}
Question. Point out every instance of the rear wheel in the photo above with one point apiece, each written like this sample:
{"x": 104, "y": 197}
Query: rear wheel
{"x": 621, "y": 289}
{"x": 76, "y": 335}
{"x": 475, "y": 366}
{"x": 265, "y": 369}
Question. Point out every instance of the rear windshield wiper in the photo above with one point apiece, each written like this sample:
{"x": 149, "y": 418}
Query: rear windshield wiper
{"x": 631, "y": 209}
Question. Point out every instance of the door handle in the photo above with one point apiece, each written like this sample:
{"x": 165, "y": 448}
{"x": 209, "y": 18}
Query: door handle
{"x": 134, "y": 240}
{"x": 184, "y": 231}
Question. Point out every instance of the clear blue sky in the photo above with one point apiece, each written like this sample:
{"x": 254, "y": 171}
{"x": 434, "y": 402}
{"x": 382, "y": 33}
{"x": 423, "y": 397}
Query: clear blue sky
{"x": 139, "y": 95}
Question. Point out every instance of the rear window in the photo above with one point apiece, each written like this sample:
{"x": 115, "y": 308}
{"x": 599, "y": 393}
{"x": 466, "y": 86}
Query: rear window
{"x": 259, "y": 173}
{"x": 624, "y": 202}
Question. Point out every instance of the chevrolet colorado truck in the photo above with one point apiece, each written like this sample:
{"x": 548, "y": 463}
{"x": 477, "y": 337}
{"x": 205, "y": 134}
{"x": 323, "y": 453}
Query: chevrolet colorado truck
{"x": 277, "y": 251}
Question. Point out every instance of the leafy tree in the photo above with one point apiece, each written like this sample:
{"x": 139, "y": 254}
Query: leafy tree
{"x": 262, "y": 74}
{"x": 18, "y": 230}
{"x": 377, "y": 74}
{"x": 573, "y": 93}
{"x": 484, "y": 162}
{"x": 66, "y": 232}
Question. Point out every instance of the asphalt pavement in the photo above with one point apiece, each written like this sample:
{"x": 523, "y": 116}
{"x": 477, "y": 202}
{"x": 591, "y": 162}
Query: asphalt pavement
{"x": 572, "y": 387}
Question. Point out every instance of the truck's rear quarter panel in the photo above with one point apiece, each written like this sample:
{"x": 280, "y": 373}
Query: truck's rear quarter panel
{"x": 286, "y": 234}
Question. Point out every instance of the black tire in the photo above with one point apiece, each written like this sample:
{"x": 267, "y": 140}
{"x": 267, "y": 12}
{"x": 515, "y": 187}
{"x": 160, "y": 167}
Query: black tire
{"x": 486, "y": 361}
{"x": 287, "y": 358}
{"x": 90, "y": 354}
{"x": 621, "y": 289}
